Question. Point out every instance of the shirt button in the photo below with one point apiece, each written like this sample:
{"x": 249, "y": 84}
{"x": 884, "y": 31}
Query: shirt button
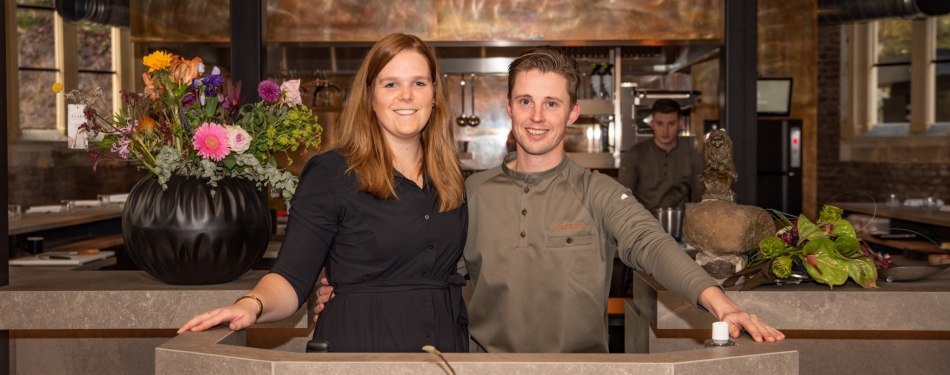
{"x": 430, "y": 246}
{"x": 427, "y": 217}
{"x": 426, "y": 304}
{"x": 424, "y": 274}
{"x": 524, "y": 212}
{"x": 570, "y": 240}
{"x": 428, "y": 334}
{"x": 523, "y": 234}
{"x": 526, "y": 189}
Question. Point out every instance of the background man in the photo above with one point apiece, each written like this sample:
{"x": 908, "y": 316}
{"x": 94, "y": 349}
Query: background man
{"x": 663, "y": 173}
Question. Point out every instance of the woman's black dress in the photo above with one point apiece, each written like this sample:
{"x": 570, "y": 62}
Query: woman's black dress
{"x": 392, "y": 262}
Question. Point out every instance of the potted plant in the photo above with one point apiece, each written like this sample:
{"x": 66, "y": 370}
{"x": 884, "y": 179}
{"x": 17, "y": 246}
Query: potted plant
{"x": 201, "y": 217}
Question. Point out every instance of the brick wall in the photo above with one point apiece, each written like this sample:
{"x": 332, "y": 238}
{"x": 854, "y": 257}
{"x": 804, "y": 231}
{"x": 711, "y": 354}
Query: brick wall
{"x": 42, "y": 173}
{"x": 879, "y": 180}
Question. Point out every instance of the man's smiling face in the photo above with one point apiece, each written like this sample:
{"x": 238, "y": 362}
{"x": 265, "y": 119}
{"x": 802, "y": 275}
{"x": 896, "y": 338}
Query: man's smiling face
{"x": 540, "y": 109}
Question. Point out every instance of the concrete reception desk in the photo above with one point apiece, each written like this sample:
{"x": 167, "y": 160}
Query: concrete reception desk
{"x": 220, "y": 351}
{"x": 110, "y": 322}
{"x": 124, "y": 322}
{"x": 898, "y": 328}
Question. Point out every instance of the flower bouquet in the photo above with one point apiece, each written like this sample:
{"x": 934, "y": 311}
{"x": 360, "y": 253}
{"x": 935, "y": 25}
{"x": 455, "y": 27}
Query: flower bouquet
{"x": 828, "y": 249}
{"x": 190, "y": 122}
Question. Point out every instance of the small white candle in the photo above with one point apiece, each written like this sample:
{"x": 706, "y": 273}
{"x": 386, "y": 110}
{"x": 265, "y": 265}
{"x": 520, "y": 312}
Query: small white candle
{"x": 720, "y": 332}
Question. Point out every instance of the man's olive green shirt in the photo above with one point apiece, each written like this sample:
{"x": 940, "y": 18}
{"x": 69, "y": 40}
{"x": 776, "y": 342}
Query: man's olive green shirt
{"x": 662, "y": 179}
{"x": 540, "y": 251}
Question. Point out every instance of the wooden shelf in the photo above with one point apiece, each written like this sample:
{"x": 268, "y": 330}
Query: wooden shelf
{"x": 906, "y": 245}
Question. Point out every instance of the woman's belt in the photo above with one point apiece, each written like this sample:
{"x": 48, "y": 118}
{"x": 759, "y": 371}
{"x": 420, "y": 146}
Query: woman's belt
{"x": 454, "y": 285}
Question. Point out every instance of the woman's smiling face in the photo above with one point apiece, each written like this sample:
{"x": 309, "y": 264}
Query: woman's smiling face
{"x": 403, "y": 96}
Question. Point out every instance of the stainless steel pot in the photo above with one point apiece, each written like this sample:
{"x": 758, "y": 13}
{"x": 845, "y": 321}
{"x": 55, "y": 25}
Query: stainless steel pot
{"x": 671, "y": 219}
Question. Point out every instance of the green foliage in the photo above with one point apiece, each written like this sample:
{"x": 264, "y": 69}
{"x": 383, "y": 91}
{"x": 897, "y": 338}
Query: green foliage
{"x": 829, "y": 250}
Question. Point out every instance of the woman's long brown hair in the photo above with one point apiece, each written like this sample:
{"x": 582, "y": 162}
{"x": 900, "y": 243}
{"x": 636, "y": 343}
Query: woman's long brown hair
{"x": 361, "y": 141}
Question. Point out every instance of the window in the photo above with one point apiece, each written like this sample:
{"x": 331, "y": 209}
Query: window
{"x": 941, "y": 110}
{"x": 893, "y": 71}
{"x": 83, "y": 57}
{"x": 36, "y": 39}
{"x": 898, "y": 90}
{"x": 95, "y": 61}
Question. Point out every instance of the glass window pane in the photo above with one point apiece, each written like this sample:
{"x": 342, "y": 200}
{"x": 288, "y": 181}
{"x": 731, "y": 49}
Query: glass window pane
{"x": 48, "y": 3}
{"x": 95, "y": 47}
{"x": 894, "y": 40}
{"x": 35, "y": 34}
{"x": 943, "y": 92}
{"x": 37, "y": 101}
{"x": 88, "y": 82}
{"x": 943, "y": 34}
{"x": 943, "y": 69}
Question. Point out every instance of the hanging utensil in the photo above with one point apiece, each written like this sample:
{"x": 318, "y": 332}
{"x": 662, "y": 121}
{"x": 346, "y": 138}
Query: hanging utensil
{"x": 462, "y": 120}
{"x": 473, "y": 120}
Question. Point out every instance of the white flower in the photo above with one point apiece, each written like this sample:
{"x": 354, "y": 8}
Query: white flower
{"x": 215, "y": 71}
{"x": 201, "y": 68}
{"x": 291, "y": 91}
{"x": 238, "y": 139}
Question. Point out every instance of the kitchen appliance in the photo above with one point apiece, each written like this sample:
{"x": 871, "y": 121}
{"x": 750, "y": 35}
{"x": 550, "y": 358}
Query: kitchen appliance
{"x": 779, "y": 177}
{"x": 671, "y": 219}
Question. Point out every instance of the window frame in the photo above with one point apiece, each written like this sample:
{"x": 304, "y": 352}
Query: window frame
{"x": 859, "y": 72}
{"x": 67, "y": 72}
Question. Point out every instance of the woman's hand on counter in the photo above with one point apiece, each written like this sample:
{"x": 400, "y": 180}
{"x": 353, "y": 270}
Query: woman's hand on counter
{"x": 324, "y": 294}
{"x": 239, "y": 316}
{"x": 714, "y": 300}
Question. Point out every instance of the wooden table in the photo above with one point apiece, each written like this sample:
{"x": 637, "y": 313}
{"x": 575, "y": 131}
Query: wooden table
{"x": 914, "y": 249}
{"x": 913, "y": 214}
{"x": 39, "y": 222}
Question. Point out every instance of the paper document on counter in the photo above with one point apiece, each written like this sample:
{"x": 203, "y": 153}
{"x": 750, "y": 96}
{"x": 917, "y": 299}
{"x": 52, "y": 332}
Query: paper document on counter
{"x": 74, "y": 260}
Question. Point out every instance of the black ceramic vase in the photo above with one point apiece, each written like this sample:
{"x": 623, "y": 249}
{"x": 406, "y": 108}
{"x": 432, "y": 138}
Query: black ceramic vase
{"x": 186, "y": 236}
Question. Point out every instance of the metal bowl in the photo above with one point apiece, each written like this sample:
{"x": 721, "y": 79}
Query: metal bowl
{"x": 909, "y": 273}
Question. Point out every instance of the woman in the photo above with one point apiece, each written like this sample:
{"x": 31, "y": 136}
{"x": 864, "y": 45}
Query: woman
{"x": 384, "y": 211}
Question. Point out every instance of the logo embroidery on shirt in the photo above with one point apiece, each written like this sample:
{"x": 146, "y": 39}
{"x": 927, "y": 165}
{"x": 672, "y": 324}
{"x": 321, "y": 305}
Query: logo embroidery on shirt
{"x": 570, "y": 226}
{"x": 623, "y": 196}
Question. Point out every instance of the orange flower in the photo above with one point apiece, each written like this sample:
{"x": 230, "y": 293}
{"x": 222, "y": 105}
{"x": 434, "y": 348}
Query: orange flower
{"x": 150, "y": 90}
{"x": 146, "y": 123}
{"x": 183, "y": 71}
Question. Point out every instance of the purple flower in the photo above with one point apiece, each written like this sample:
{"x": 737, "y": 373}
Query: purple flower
{"x": 196, "y": 83}
{"x": 269, "y": 90}
{"x": 122, "y": 147}
{"x": 225, "y": 103}
{"x": 188, "y": 100}
{"x": 790, "y": 236}
{"x": 211, "y": 83}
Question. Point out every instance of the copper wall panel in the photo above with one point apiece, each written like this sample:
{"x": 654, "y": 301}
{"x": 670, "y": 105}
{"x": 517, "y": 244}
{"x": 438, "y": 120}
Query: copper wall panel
{"x": 788, "y": 47}
{"x": 481, "y": 20}
{"x": 434, "y": 20}
{"x": 349, "y": 20}
{"x": 180, "y": 21}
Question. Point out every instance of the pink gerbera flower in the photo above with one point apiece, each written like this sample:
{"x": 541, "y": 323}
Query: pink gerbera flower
{"x": 211, "y": 141}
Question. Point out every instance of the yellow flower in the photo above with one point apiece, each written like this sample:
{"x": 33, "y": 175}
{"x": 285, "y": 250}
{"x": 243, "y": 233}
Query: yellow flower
{"x": 57, "y": 87}
{"x": 158, "y": 60}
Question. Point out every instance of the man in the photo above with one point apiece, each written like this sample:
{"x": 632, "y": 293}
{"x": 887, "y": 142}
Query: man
{"x": 543, "y": 232}
{"x": 663, "y": 173}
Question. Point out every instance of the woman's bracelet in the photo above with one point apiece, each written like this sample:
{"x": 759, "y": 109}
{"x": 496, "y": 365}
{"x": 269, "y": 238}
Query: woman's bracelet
{"x": 259, "y": 303}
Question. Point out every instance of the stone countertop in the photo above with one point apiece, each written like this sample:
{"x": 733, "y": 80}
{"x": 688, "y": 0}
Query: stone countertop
{"x": 220, "y": 351}
{"x": 37, "y": 222}
{"x": 898, "y": 306}
{"x": 51, "y": 299}
{"x": 913, "y": 214}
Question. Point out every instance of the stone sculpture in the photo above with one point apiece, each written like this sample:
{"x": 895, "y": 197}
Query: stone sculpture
{"x": 719, "y": 228}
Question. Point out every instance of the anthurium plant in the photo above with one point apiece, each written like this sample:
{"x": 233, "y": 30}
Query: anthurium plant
{"x": 828, "y": 248}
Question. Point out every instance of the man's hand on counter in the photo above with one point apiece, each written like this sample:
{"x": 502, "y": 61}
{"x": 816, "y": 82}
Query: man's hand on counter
{"x": 714, "y": 300}
{"x": 324, "y": 294}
